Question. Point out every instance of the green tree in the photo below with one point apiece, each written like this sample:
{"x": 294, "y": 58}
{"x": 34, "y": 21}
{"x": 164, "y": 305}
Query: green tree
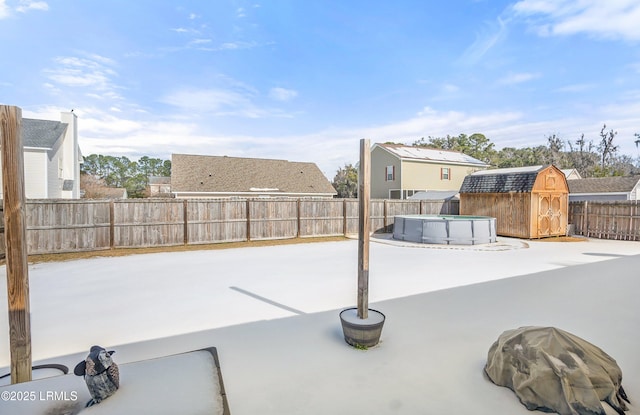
{"x": 346, "y": 182}
{"x": 122, "y": 172}
{"x": 476, "y": 145}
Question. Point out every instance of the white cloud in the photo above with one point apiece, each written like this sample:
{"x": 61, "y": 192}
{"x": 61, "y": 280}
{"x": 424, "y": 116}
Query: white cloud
{"x": 485, "y": 41}
{"x": 282, "y": 94}
{"x": 93, "y": 73}
{"x": 237, "y": 45}
{"x": 200, "y": 41}
{"x": 23, "y": 6}
{"x": 518, "y": 78}
{"x": 575, "y": 88}
{"x": 28, "y": 5}
{"x": 4, "y": 9}
{"x": 450, "y": 88}
{"x": 206, "y": 100}
{"x": 612, "y": 19}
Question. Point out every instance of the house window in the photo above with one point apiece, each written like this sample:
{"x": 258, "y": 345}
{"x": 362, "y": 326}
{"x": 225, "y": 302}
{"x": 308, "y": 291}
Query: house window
{"x": 395, "y": 194}
{"x": 445, "y": 173}
{"x": 390, "y": 173}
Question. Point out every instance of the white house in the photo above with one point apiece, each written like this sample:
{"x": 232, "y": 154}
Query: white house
{"x": 51, "y": 158}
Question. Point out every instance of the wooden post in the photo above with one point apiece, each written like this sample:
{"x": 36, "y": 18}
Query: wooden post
{"x": 344, "y": 217}
{"x": 586, "y": 218}
{"x": 112, "y": 224}
{"x": 384, "y": 214}
{"x": 15, "y": 242}
{"x": 299, "y": 222}
{"x": 185, "y": 215}
{"x": 248, "y": 211}
{"x": 364, "y": 224}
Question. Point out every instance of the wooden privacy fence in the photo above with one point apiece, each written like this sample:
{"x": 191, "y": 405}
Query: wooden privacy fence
{"x": 607, "y": 220}
{"x": 86, "y": 225}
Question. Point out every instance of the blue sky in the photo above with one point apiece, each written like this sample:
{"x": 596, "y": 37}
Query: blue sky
{"x": 305, "y": 80}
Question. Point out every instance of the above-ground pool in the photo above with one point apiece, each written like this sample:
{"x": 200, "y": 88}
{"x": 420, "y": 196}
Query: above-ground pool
{"x": 441, "y": 229}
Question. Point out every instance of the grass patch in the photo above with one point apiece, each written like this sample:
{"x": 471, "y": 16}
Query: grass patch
{"x": 117, "y": 252}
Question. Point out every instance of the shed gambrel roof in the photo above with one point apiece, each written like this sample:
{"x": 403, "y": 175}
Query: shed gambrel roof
{"x": 517, "y": 179}
{"x": 430, "y": 154}
{"x": 41, "y": 133}
{"x": 618, "y": 184}
{"x": 221, "y": 174}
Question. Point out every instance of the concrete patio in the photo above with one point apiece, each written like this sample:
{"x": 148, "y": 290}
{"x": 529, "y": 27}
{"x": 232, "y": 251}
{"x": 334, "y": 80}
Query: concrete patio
{"x": 272, "y": 314}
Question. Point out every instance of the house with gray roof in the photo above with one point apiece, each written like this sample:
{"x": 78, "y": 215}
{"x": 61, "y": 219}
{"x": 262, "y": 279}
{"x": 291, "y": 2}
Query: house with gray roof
{"x": 197, "y": 176}
{"x": 399, "y": 171}
{"x": 605, "y": 188}
{"x": 51, "y": 158}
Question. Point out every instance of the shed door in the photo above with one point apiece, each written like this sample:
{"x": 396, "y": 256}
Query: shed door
{"x": 550, "y": 214}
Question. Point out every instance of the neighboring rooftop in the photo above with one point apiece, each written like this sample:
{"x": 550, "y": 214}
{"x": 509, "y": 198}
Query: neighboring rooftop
{"x": 430, "y": 154}
{"x": 528, "y": 169}
{"x": 617, "y": 184}
{"x": 516, "y": 179}
{"x": 435, "y": 195}
{"x": 41, "y": 133}
{"x": 234, "y": 175}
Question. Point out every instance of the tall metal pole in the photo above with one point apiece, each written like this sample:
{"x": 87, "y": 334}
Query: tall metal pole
{"x": 15, "y": 243}
{"x": 364, "y": 225}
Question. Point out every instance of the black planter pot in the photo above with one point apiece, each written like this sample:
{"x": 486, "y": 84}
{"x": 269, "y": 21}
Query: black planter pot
{"x": 361, "y": 333}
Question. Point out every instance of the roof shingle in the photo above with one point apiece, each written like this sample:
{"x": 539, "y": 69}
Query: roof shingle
{"x": 603, "y": 184}
{"x": 41, "y": 133}
{"x": 518, "y": 179}
{"x": 221, "y": 174}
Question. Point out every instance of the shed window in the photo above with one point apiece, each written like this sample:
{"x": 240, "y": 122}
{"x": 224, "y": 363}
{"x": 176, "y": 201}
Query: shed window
{"x": 390, "y": 173}
{"x": 445, "y": 173}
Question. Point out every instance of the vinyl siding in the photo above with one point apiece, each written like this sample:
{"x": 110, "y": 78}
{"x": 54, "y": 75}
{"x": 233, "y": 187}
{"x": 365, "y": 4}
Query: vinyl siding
{"x": 35, "y": 179}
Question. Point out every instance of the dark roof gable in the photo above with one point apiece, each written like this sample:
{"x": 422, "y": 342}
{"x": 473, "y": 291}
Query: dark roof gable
{"x": 206, "y": 174}
{"x": 41, "y": 133}
{"x": 499, "y": 183}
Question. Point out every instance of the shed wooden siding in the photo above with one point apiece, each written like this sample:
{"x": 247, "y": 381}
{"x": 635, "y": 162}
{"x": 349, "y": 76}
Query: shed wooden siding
{"x": 537, "y": 212}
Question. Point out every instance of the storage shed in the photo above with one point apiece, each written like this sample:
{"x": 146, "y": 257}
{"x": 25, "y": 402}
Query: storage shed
{"x": 527, "y": 202}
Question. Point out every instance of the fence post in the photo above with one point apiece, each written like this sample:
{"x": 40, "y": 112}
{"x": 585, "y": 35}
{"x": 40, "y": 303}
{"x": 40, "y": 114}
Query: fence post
{"x": 344, "y": 217}
{"x": 384, "y": 214}
{"x": 248, "y": 220}
{"x": 112, "y": 225}
{"x": 185, "y": 214}
{"x": 586, "y": 218}
{"x": 15, "y": 243}
{"x": 298, "y": 214}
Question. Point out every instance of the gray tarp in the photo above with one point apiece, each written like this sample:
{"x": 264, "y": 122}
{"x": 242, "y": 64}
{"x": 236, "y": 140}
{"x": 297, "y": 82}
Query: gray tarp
{"x": 554, "y": 371}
